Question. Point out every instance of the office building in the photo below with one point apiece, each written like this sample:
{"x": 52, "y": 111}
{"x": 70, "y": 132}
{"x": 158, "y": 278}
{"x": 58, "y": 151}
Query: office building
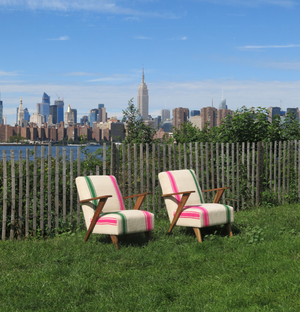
{"x": 208, "y": 116}
{"x": 223, "y": 104}
{"x": 143, "y": 99}
{"x": 195, "y": 113}
{"x": 60, "y": 110}
{"x": 221, "y": 114}
{"x": 74, "y": 110}
{"x": 180, "y": 115}
{"x": 294, "y": 112}
{"x": 26, "y": 114}
{"x": 165, "y": 114}
{"x": 53, "y": 113}
{"x": 272, "y": 112}
{"x": 1, "y": 113}
{"x": 44, "y": 107}
{"x": 69, "y": 117}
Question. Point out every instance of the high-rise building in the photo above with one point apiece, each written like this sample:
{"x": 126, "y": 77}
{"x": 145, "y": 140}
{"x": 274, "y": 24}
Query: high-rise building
{"x": 294, "y": 112}
{"x": 26, "y": 114}
{"x": 180, "y": 115}
{"x": 100, "y": 106}
{"x": 93, "y": 116}
{"x": 84, "y": 120}
{"x": 102, "y": 115}
{"x": 165, "y": 114}
{"x": 74, "y": 110}
{"x": 143, "y": 99}
{"x": 69, "y": 117}
{"x": 208, "y": 115}
{"x": 223, "y": 104}
{"x": 21, "y": 121}
{"x": 53, "y": 113}
{"x": 221, "y": 114}
{"x": 195, "y": 113}
{"x": 60, "y": 109}
{"x": 1, "y": 113}
{"x": 44, "y": 107}
{"x": 272, "y": 112}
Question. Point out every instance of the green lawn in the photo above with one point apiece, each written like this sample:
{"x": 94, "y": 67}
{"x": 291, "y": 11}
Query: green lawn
{"x": 256, "y": 270}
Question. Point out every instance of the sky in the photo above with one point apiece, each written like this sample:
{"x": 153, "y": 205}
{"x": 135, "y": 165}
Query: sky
{"x": 93, "y": 51}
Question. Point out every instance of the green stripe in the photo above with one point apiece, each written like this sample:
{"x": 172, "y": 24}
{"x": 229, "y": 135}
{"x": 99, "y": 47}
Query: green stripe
{"x": 228, "y": 213}
{"x": 197, "y": 185}
{"x": 92, "y": 190}
{"x": 124, "y": 224}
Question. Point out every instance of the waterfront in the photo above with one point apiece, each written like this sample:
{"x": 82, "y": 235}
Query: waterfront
{"x": 17, "y": 148}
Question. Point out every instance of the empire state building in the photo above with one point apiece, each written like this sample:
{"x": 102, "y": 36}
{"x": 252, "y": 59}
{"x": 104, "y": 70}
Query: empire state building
{"x": 143, "y": 99}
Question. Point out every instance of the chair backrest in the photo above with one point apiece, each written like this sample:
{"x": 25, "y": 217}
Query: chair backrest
{"x": 95, "y": 186}
{"x": 179, "y": 181}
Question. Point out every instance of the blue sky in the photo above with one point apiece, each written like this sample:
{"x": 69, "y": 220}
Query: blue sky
{"x": 92, "y": 52}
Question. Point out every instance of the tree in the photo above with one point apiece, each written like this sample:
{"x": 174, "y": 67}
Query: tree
{"x": 136, "y": 130}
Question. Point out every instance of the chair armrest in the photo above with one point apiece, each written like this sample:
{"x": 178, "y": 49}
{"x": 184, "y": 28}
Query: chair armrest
{"x": 94, "y": 198}
{"x": 171, "y": 194}
{"x": 220, "y": 192}
{"x": 139, "y": 201}
{"x": 137, "y": 195}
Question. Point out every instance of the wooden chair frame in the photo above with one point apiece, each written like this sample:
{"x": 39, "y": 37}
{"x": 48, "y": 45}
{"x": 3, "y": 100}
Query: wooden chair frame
{"x": 100, "y": 206}
{"x": 185, "y": 197}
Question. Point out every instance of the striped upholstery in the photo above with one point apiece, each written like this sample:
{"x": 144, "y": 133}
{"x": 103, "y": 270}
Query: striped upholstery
{"x": 196, "y": 213}
{"x": 114, "y": 219}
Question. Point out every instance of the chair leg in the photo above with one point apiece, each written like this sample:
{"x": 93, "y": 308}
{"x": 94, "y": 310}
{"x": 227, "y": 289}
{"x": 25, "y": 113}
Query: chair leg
{"x": 148, "y": 235}
{"x": 228, "y": 226}
{"x": 198, "y": 234}
{"x": 114, "y": 239}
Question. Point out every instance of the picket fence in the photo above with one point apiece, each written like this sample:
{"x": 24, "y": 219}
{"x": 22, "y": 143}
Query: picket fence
{"x": 40, "y": 196}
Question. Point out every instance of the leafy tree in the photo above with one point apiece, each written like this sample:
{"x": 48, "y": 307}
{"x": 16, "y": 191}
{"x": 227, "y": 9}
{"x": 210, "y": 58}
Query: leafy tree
{"x": 137, "y": 131}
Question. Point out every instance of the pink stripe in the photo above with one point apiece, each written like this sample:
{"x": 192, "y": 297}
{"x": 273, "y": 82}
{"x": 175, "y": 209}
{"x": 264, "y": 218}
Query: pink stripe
{"x": 106, "y": 221}
{"x": 173, "y": 185}
{"x": 205, "y": 213}
{"x": 148, "y": 220}
{"x": 191, "y": 215}
{"x": 114, "y": 182}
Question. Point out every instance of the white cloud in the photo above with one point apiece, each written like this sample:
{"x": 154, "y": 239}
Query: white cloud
{"x": 294, "y": 66}
{"x": 103, "y": 6}
{"x": 4, "y": 73}
{"x": 253, "y": 47}
{"x": 255, "y": 3}
{"x": 62, "y": 38}
{"x": 143, "y": 38}
{"x": 79, "y": 74}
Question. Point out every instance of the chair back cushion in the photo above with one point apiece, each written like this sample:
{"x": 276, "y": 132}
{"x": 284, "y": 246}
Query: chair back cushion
{"x": 179, "y": 181}
{"x": 95, "y": 186}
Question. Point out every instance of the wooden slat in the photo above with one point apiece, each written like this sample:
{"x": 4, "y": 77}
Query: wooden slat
{"x": 295, "y": 165}
{"x": 153, "y": 176}
{"x": 212, "y": 165}
{"x": 218, "y": 165}
{"x": 179, "y": 156}
{"x": 227, "y": 167}
{"x": 174, "y": 156}
{"x": 64, "y": 169}
{"x": 56, "y": 186}
{"x": 158, "y": 171}
{"x": 279, "y": 168}
{"x": 129, "y": 173}
{"x": 207, "y": 184}
{"x": 298, "y": 154}
{"x": 258, "y": 172}
{"x": 184, "y": 156}
{"x": 42, "y": 192}
{"x": 232, "y": 176}
{"x": 97, "y": 170}
{"x": 112, "y": 159}
{"x": 4, "y": 216}
{"x": 27, "y": 194}
{"x": 124, "y": 168}
{"x": 34, "y": 220}
{"x": 197, "y": 161}
{"x": 202, "y": 166}
{"x": 243, "y": 164}
{"x": 253, "y": 172}
{"x": 13, "y": 195}
{"x": 265, "y": 152}
{"x": 283, "y": 172}
{"x": 288, "y": 162}
{"x": 148, "y": 175}
{"x": 170, "y": 159}
{"x": 191, "y": 155}
{"x": 248, "y": 172}
{"x": 117, "y": 161}
{"x": 141, "y": 169}
{"x": 71, "y": 186}
{"x": 20, "y": 213}
{"x": 78, "y": 174}
{"x": 238, "y": 175}
{"x": 164, "y": 158}
{"x": 104, "y": 158}
{"x": 223, "y": 169}
{"x": 271, "y": 166}
{"x": 135, "y": 168}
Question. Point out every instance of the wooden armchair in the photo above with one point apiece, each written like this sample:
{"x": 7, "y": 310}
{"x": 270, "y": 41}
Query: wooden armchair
{"x": 185, "y": 205}
{"x": 104, "y": 210}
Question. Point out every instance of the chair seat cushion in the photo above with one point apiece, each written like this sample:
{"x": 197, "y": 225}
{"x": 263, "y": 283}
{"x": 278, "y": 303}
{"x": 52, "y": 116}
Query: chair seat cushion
{"x": 205, "y": 215}
{"x": 124, "y": 222}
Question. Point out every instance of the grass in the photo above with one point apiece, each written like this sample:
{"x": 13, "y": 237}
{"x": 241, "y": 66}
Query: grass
{"x": 256, "y": 270}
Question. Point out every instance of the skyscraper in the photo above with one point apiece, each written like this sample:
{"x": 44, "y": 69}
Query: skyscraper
{"x": 74, "y": 110}
{"x": 26, "y": 114}
{"x": 44, "y": 107}
{"x": 69, "y": 117}
{"x": 60, "y": 109}
{"x": 165, "y": 114}
{"x": 53, "y": 113}
{"x": 195, "y": 113}
{"x": 143, "y": 99}
{"x": 21, "y": 121}
{"x": 1, "y": 113}
{"x": 180, "y": 115}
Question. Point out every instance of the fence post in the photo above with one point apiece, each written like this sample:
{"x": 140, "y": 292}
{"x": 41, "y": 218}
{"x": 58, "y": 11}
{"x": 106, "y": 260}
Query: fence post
{"x": 259, "y": 173}
{"x": 4, "y": 195}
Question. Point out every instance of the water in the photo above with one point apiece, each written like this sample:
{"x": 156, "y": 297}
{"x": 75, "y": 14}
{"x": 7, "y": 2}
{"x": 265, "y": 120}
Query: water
{"x": 17, "y": 148}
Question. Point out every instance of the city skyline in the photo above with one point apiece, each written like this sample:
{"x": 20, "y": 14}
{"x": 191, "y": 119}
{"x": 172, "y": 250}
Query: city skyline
{"x": 93, "y": 51}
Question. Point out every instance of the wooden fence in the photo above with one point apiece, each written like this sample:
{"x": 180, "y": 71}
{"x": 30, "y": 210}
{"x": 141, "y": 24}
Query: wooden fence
{"x": 40, "y": 197}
